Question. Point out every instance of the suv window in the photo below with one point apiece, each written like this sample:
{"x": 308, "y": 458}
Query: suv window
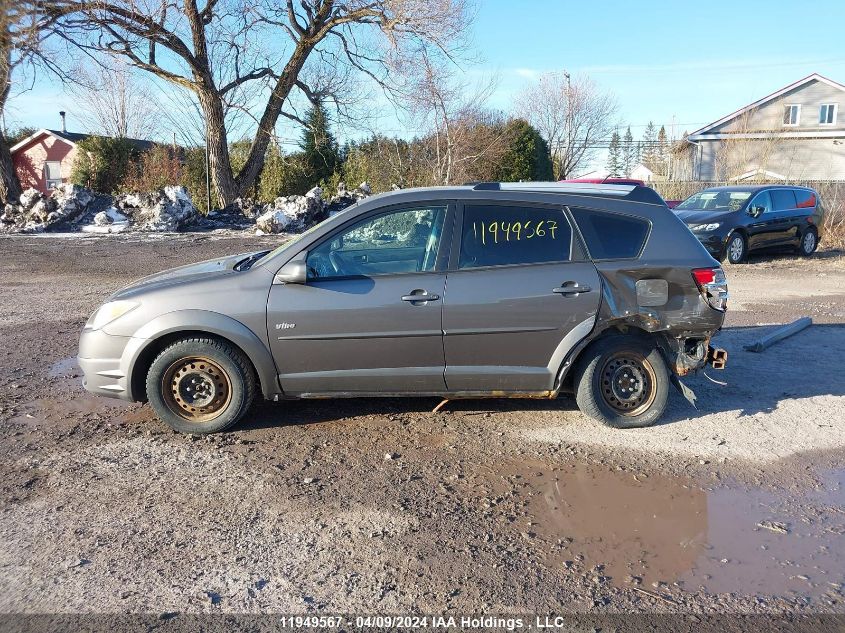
{"x": 762, "y": 203}
{"x": 806, "y": 198}
{"x": 398, "y": 242}
{"x": 783, "y": 199}
{"x": 499, "y": 235}
{"x": 610, "y": 235}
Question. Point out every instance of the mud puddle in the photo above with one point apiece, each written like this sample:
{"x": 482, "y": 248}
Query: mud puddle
{"x": 647, "y": 530}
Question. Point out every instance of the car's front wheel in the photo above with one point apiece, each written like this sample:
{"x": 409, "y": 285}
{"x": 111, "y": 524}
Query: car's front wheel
{"x": 623, "y": 382}
{"x": 200, "y": 385}
{"x": 737, "y": 249}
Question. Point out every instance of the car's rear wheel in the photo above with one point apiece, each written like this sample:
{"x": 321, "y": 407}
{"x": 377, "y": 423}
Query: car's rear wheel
{"x": 200, "y": 385}
{"x": 623, "y": 382}
{"x": 809, "y": 242}
{"x": 737, "y": 249}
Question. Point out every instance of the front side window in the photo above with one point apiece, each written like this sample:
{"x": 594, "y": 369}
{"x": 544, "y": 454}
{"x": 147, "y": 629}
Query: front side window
{"x": 404, "y": 241}
{"x": 53, "y": 173}
{"x": 610, "y": 235}
{"x": 827, "y": 114}
{"x": 499, "y": 235}
{"x": 791, "y": 114}
{"x": 761, "y": 204}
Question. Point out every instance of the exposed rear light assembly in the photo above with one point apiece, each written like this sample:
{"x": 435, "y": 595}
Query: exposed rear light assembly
{"x": 713, "y": 285}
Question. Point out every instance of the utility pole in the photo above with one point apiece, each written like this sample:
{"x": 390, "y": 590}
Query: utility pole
{"x": 568, "y": 119}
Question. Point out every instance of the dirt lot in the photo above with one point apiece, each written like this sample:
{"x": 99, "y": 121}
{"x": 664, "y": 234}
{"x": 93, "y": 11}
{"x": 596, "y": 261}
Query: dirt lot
{"x": 381, "y": 506}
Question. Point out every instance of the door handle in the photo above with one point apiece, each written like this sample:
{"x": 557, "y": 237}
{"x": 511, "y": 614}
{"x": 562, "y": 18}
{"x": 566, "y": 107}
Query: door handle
{"x": 420, "y": 296}
{"x": 568, "y": 288}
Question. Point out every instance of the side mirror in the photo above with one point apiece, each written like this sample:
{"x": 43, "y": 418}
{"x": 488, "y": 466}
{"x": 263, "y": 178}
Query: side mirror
{"x": 755, "y": 211}
{"x": 294, "y": 272}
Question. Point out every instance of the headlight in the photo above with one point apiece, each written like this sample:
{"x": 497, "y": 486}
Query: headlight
{"x": 108, "y": 312}
{"x": 705, "y": 227}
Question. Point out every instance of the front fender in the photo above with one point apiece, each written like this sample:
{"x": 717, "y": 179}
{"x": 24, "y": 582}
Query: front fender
{"x": 201, "y": 322}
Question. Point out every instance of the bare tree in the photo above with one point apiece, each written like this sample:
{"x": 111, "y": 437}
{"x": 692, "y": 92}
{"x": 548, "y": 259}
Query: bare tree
{"x": 221, "y": 48}
{"x": 114, "y": 102}
{"x": 22, "y": 33}
{"x": 459, "y": 129}
{"x": 572, "y": 114}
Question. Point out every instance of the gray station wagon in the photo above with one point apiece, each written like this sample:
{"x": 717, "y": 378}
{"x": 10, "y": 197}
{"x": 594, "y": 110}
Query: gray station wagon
{"x": 485, "y": 290}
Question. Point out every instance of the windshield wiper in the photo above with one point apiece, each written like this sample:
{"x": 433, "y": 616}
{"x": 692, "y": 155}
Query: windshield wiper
{"x": 246, "y": 264}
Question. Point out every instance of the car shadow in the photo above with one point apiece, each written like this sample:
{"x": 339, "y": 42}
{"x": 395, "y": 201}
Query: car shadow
{"x": 802, "y": 366}
{"x": 778, "y": 254}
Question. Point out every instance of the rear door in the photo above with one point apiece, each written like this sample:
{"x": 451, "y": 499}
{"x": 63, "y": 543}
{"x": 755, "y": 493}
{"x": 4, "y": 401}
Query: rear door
{"x": 519, "y": 296}
{"x": 368, "y": 319}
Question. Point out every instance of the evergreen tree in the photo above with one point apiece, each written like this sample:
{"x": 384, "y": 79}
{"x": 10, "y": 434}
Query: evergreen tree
{"x": 614, "y": 156}
{"x": 320, "y": 153}
{"x": 527, "y": 155}
{"x": 629, "y": 152}
{"x": 649, "y": 152}
{"x": 662, "y": 151}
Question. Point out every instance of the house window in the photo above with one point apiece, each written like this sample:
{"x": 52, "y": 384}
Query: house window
{"x": 827, "y": 114}
{"x": 53, "y": 173}
{"x": 791, "y": 114}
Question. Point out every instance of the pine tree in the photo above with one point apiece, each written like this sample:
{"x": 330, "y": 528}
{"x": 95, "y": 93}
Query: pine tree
{"x": 649, "y": 155}
{"x": 614, "y": 156}
{"x": 629, "y": 152}
{"x": 662, "y": 151}
{"x": 320, "y": 153}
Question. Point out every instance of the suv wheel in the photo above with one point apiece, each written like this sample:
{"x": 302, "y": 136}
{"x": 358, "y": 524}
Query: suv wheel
{"x": 200, "y": 385}
{"x": 809, "y": 242}
{"x": 623, "y": 382}
{"x": 736, "y": 249}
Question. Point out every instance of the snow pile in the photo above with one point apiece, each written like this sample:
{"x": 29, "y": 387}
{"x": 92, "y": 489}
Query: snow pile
{"x": 293, "y": 213}
{"x": 346, "y": 198}
{"x": 166, "y": 210}
{"x": 109, "y": 221}
{"x": 36, "y": 212}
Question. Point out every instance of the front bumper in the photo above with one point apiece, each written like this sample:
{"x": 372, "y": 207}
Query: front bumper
{"x": 99, "y": 358}
{"x": 714, "y": 243}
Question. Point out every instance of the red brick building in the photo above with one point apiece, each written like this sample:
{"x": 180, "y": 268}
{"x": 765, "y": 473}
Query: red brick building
{"x": 45, "y": 159}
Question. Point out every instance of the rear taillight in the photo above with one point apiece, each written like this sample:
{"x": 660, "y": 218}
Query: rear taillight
{"x": 713, "y": 286}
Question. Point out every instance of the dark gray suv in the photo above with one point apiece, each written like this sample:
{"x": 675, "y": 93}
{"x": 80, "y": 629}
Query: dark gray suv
{"x": 486, "y": 290}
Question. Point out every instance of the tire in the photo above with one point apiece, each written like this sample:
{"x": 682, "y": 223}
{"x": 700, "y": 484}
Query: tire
{"x": 612, "y": 366}
{"x": 809, "y": 242}
{"x": 200, "y": 385}
{"x": 736, "y": 249}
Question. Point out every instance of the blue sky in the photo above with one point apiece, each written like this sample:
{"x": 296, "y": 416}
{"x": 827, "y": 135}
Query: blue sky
{"x": 693, "y": 61}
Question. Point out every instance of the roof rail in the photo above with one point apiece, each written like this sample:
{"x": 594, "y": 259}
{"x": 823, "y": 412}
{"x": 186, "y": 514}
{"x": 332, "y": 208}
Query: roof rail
{"x": 632, "y": 192}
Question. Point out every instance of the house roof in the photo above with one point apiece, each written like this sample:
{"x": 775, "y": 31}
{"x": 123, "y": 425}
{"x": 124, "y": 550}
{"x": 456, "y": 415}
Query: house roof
{"x": 73, "y": 138}
{"x": 766, "y": 99}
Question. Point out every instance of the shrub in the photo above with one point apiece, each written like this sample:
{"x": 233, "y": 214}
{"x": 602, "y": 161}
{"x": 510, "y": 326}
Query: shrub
{"x": 102, "y": 163}
{"x": 156, "y": 168}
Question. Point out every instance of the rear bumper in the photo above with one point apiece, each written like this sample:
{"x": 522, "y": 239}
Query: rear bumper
{"x": 99, "y": 358}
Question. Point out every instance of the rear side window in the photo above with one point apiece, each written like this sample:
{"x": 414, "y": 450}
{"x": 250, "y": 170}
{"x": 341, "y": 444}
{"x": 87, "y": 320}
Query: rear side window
{"x": 805, "y": 198}
{"x": 610, "y": 235}
{"x": 783, "y": 199}
{"x": 503, "y": 235}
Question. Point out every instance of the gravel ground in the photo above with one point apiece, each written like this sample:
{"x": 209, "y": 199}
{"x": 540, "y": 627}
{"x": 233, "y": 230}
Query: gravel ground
{"x": 379, "y": 505}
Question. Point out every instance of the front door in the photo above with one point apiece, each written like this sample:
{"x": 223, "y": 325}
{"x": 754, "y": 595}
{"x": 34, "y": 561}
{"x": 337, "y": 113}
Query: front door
{"x": 517, "y": 300}
{"x": 762, "y": 226}
{"x": 368, "y": 319}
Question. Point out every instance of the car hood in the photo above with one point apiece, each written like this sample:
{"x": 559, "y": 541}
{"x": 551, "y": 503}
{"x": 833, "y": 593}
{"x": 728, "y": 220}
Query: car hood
{"x": 210, "y": 268}
{"x": 693, "y": 216}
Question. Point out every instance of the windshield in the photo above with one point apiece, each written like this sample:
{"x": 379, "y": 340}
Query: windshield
{"x": 715, "y": 200}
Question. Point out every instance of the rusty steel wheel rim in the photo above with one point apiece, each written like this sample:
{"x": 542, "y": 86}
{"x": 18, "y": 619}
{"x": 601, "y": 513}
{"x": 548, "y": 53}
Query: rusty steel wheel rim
{"x": 196, "y": 389}
{"x": 627, "y": 383}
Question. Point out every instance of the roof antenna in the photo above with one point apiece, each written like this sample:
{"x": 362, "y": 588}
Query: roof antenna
{"x": 64, "y": 127}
